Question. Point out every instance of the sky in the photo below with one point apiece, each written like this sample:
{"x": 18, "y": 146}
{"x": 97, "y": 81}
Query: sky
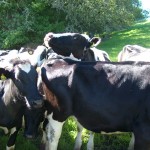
{"x": 145, "y": 4}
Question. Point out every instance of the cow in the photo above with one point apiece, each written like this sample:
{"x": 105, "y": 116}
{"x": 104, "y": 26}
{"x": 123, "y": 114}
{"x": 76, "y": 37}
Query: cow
{"x": 35, "y": 56}
{"x": 67, "y": 43}
{"x": 91, "y": 54}
{"x": 134, "y": 53}
{"x": 19, "y": 96}
{"x": 80, "y": 47}
{"x": 113, "y": 94}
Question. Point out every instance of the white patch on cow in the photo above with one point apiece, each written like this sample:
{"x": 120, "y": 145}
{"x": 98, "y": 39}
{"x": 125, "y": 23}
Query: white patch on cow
{"x": 131, "y": 144}
{"x": 35, "y": 57}
{"x": 27, "y": 103}
{"x": 10, "y": 148}
{"x": 6, "y": 131}
{"x": 53, "y": 132}
{"x": 110, "y": 133}
{"x": 73, "y": 58}
{"x": 63, "y": 34}
{"x": 25, "y": 67}
{"x": 13, "y": 130}
{"x": 86, "y": 36}
{"x": 90, "y": 144}
{"x": 11, "y": 55}
{"x": 44, "y": 137}
{"x": 6, "y": 64}
{"x": 39, "y": 81}
{"x": 37, "y": 54}
{"x": 78, "y": 141}
{"x": 99, "y": 54}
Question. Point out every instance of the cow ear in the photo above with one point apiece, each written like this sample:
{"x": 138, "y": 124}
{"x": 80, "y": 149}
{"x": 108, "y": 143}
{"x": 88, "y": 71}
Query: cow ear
{"x": 95, "y": 41}
{"x": 5, "y": 74}
{"x": 30, "y": 51}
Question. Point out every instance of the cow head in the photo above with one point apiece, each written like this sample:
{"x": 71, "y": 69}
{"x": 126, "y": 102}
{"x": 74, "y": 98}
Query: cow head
{"x": 33, "y": 118}
{"x": 67, "y": 43}
{"x": 35, "y": 56}
{"x": 23, "y": 81}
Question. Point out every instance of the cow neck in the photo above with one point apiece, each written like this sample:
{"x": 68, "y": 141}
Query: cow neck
{"x": 13, "y": 91}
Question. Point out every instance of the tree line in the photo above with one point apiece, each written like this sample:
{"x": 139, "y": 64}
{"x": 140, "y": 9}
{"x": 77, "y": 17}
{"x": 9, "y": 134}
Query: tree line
{"x": 25, "y": 21}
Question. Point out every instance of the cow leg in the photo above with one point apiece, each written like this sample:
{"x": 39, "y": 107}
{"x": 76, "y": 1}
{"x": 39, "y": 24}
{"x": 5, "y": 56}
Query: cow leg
{"x": 78, "y": 141}
{"x": 142, "y": 137}
{"x": 45, "y": 123}
{"x": 90, "y": 144}
{"x": 131, "y": 144}
{"x": 53, "y": 133}
{"x": 12, "y": 139}
{"x": 5, "y": 130}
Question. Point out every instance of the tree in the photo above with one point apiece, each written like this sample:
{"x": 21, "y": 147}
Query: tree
{"x": 98, "y": 16}
{"x": 24, "y": 21}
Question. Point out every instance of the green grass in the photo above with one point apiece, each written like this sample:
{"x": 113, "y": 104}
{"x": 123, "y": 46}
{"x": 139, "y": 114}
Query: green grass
{"x": 136, "y": 34}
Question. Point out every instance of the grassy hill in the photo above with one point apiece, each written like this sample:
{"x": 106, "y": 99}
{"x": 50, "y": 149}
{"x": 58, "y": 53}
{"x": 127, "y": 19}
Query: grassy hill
{"x": 137, "y": 34}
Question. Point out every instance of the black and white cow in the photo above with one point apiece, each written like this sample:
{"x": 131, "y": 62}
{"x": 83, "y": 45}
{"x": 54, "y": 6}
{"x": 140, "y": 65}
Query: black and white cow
{"x": 134, "y": 53}
{"x": 35, "y": 56}
{"x": 114, "y": 95}
{"x": 76, "y": 46}
{"x": 19, "y": 96}
{"x": 91, "y": 54}
{"x": 70, "y": 43}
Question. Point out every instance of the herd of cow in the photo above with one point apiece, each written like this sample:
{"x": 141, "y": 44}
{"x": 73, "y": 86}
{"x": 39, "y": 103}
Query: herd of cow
{"x": 68, "y": 76}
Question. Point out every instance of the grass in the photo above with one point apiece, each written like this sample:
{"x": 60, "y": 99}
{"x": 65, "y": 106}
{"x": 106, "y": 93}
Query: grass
{"x": 136, "y": 34}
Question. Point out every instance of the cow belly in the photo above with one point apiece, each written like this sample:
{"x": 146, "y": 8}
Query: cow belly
{"x": 9, "y": 121}
{"x": 98, "y": 126}
{"x": 102, "y": 120}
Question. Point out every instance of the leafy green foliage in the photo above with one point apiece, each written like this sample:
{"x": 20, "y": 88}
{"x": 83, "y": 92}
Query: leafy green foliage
{"x": 23, "y": 21}
{"x": 12, "y": 42}
{"x": 98, "y": 16}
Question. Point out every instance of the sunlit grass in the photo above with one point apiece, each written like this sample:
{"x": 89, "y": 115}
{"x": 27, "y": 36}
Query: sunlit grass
{"x": 137, "y": 34}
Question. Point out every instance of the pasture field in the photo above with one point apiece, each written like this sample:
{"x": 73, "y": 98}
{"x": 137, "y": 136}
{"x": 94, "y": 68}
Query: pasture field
{"x": 137, "y": 34}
